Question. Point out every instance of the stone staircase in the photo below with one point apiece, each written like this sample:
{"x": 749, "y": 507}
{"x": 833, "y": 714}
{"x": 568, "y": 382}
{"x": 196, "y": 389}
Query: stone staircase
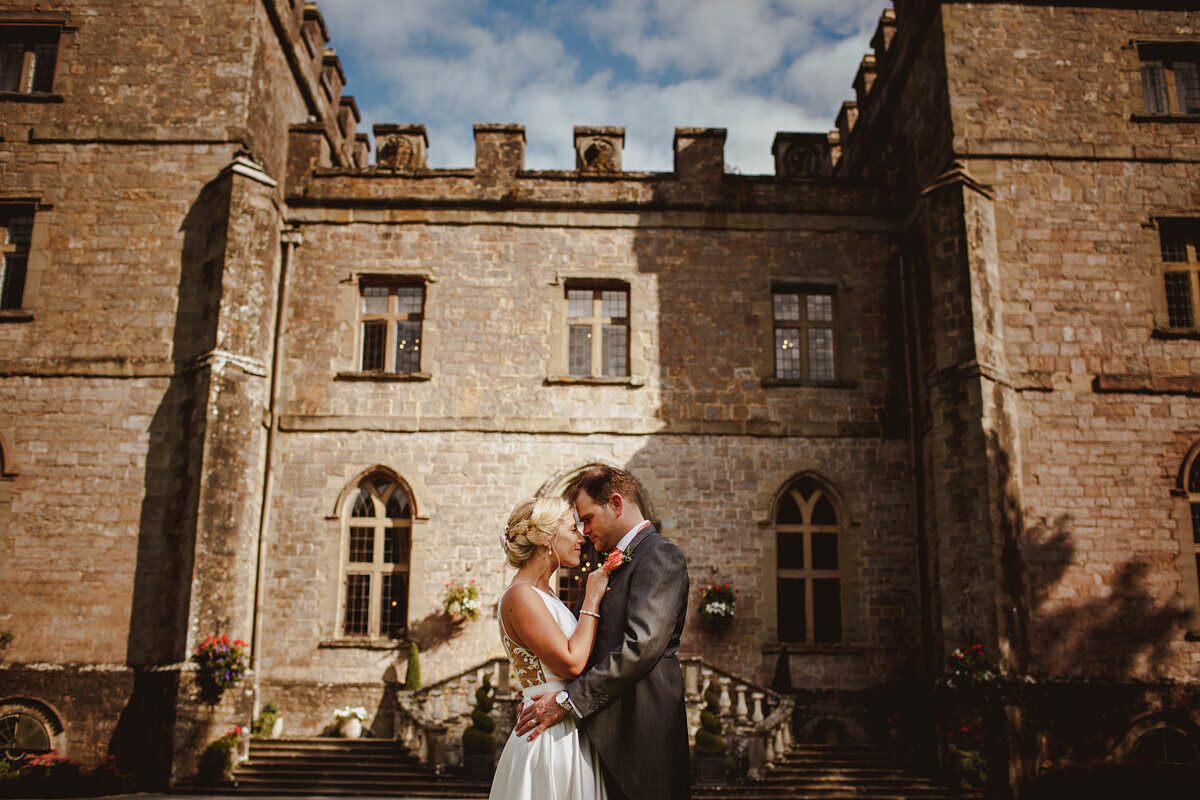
{"x": 384, "y": 768}
{"x": 358, "y": 767}
{"x": 834, "y": 771}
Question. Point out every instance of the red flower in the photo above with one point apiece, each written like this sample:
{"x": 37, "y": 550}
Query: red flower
{"x": 615, "y": 559}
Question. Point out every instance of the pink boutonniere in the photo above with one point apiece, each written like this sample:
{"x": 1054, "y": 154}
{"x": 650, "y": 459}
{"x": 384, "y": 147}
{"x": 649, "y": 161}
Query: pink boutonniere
{"x": 615, "y": 560}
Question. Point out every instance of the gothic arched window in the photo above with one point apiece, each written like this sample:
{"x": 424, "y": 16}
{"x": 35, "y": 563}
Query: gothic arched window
{"x": 375, "y": 558}
{"x": 808, "y": 564}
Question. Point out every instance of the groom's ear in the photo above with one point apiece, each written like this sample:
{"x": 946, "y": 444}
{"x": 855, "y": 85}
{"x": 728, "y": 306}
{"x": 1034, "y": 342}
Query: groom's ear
{"x": 617, "y": 502}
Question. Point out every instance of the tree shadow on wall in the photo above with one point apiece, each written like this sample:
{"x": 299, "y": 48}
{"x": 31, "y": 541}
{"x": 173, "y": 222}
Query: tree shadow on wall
{"x": 434, "y": 630}
{"x": 1124, "y": 628}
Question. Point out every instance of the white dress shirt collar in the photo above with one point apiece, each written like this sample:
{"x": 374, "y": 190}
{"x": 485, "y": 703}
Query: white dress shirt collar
{"x": 627, "y": 538}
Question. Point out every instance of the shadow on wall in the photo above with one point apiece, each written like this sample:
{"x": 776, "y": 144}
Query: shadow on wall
{"x": 142, "y": 741}
{"x": 1123, "y": 631}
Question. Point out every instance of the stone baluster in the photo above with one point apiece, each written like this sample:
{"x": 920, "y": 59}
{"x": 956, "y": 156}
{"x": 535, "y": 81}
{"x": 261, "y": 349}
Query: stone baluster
{"x": 503, "y": 677}
{"x": 743, "y": 713}
{"x": 691, "y": 679}
{"x": 726, "y": 702}
{"x": 769, "y": 756}
{"x": 757, "y": 700}
{"x": 780, "y": 744}
{"x": 436, "y": 709}
{"x": 467, "y": 695}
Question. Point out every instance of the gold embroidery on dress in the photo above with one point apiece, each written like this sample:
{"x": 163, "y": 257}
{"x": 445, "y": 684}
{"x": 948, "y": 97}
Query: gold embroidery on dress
{"x": 526, "y": 665}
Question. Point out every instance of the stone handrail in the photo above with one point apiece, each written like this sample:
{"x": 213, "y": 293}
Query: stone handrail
{"x": 757, "y": 721}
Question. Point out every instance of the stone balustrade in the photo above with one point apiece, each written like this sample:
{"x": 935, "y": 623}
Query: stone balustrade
{"x": 756, "y": 721}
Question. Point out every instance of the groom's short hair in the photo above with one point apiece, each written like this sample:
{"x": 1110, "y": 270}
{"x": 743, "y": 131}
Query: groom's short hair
{"x": 602, "y": 482}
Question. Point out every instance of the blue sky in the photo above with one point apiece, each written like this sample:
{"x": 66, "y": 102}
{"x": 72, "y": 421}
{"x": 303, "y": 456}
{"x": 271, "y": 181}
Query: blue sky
{"x": 753, "y": 67}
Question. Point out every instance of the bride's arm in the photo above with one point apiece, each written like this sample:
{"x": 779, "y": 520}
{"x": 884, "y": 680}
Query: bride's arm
{"x": 530, "y": 623}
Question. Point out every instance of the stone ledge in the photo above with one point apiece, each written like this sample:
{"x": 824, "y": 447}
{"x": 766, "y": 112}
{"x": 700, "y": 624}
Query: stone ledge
{"x": 16, "y": 315}
{"x": 31, "y": 97}
{"x": 580, "y": 380}
{"x": 362, "y": 644}
{"x": 384, "y": 377}
{"x": 1147, "y": 384}
{"x": 776, "y": 383}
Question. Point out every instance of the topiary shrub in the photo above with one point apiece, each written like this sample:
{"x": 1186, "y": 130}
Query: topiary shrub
{"x": 412, "y": 676}
{"x": 478, "y": 740}
{"x": 708, "y": 739}
{"x": 261, "y": 728}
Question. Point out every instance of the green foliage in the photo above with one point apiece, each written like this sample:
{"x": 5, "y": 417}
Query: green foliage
{"x": 220, "y": 665}
{"x": 6, "y": 638}
{"x": 478, "y": 739}
{"x": 708, "y": 738}
{"x": 51, "y": 775}
{"x": 216, "y": 763}
{"x": 262, "y": 725}
{"x": 412, "y": 677}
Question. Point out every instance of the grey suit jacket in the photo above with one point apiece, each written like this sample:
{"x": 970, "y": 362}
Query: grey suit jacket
{"x": 631, "y": 695}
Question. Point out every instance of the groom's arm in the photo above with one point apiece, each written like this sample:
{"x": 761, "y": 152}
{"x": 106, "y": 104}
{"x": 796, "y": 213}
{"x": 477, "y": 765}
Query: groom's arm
{"x": 657, "y": 593}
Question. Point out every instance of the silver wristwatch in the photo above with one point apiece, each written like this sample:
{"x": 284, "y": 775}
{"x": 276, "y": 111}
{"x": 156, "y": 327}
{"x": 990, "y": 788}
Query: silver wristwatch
{"x": 564, "y": 700}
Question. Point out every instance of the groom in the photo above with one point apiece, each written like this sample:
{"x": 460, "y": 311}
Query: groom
{"x": 629, "y": 701}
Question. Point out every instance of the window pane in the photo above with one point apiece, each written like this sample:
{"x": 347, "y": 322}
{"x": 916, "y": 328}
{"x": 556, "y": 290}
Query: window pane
{"x": 787, "y": 353}
{"x": 395, "y": 545}
{"x": 820, "y": 354}
{"x": 1154, "y": 86}
{"x": 1193, "y": 484}
{"x": 13, "y": 280}
{"x": 375, "y": 299}
{"x": 827, "y": 610}
{"x": 374, "y": 340}
{"x": 1178, "y": 286}
{"x": 614, "y": 305}
{"x": 393, "y": 608}
{"x": 788, "y": 511}
{"x": 579, "y": 303}
{"x": 819, "y": 308}
{"x": 791, "y": 609}
{"x": 397, "y": 505}
{"x": 789, "y": 550}
{"x": 363, "y": 506}
{"x": 362, "y": 545}
{"x": 1187, "y": 87}
{"x": 408, "y": 346}
{"x": 787, "y": 306}
{"x": 823, "y": 513}
{"x": 43, "y": 67}
{"x": 20, "y": 231}
{"x": 825, "y": 550}
{"x": 614, "y": 349}
{"x": 12, "y": 57}
{"x": 410, "y": 299}
{"x": 1196, "y": 523}
{"x": 579, "y": 350}
{"x": 358, "y": 600}
{"x": 1173, "y": 239}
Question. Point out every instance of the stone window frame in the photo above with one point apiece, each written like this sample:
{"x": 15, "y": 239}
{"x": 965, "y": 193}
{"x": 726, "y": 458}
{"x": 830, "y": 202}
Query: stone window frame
{"x": 560, "y": 322}
{"x": 1187, "y": 490}
{"x": 1164, "y": 58}
{"x": 377, "y": 568}
{"x": 842, "y": 573}
{"x": 35, "y": 255}
{"x": 840, "y": 380}
{"x": 354, "y": 315}
{"x": 53, "y": 25}
{"x": 1184, "y": 230}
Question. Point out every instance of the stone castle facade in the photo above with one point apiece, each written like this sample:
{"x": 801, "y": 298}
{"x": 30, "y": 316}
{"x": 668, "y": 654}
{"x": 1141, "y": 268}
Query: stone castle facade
{"x": 933, "y": 382}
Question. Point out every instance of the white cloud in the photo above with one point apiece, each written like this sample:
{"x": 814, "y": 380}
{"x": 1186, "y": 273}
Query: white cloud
{"x": 752, "y": 66}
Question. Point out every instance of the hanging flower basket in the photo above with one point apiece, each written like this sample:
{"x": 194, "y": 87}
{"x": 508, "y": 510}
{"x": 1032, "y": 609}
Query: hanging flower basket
{"x": 220, "y": 665}
{"x": 717, "y": 605}
{"x": 461, "y": 600}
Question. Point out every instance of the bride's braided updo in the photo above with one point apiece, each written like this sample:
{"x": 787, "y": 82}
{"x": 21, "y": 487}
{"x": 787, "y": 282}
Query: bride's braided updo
{"x": 532, "y": 524}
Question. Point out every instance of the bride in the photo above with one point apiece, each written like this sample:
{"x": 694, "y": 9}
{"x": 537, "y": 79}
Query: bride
{"x": 547, "y": 646}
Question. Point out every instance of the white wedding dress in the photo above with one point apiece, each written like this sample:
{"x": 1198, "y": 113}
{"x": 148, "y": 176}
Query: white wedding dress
{"x": 559, "y": 764}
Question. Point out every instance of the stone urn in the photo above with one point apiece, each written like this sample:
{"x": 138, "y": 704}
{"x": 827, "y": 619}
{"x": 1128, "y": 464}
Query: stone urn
{"x": 350, "y": 728}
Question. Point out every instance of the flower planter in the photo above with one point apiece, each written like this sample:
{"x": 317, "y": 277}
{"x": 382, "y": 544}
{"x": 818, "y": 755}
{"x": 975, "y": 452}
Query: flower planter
{"x": 350, "y": 728}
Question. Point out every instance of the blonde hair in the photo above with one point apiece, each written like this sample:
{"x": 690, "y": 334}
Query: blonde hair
{"x": 532, "y": 524}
